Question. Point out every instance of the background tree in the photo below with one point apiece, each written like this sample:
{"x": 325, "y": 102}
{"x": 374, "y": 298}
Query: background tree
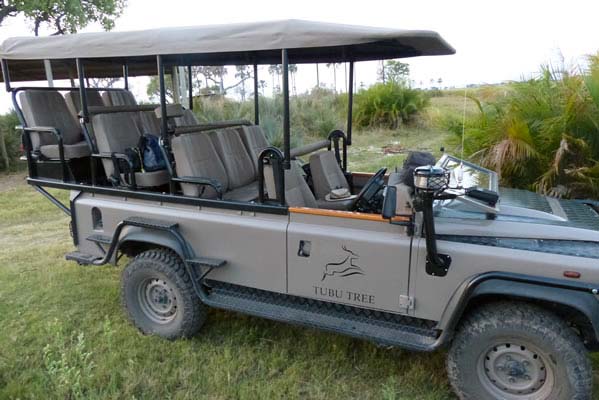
{"x": 334, "y": 66}
{"x": 63, "y": 16}
{"x": 394, "y": 71}
{"x": 293, "y": 73}
{"x": 275, "y": 71}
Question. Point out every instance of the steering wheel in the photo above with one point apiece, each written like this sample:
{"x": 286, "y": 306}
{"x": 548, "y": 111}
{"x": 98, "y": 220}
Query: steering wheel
{"x": 365, "y": 200}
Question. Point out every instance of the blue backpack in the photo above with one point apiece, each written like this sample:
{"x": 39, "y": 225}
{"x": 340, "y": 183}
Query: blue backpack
{"x": 151, "y": 154}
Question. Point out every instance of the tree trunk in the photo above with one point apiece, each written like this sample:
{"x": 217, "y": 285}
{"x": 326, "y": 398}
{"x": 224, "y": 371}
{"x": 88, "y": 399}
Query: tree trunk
{"x": 335, "y": 77}
{"x": 3, "y": 152}
{"x": 317, "y": 76}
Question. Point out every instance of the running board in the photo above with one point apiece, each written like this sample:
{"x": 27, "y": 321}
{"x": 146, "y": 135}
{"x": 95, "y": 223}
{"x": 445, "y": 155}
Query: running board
{"x": 380, "y": 327}
{"x": 81, "y": 258}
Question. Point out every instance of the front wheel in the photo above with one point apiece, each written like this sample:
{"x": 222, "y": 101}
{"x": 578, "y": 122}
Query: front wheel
{"x": 518, "y": 351}
{"x": 158, "y": 296}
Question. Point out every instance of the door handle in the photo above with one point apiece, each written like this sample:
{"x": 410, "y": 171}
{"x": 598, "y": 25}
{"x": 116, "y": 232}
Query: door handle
{"x": 304, "y": 248}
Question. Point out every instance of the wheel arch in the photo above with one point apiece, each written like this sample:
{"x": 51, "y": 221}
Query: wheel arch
{"x": 580, "y": 308}
{"x": 138, "y": 240}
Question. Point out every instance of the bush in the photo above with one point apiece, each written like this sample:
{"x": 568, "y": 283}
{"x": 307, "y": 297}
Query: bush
{"x": 388, "y": 105}
{"x": 542, "y": 134}
{"x": 12, "y": 141}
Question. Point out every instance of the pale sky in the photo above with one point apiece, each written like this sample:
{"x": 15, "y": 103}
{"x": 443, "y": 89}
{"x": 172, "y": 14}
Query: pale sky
{"x": 495, "y": 41}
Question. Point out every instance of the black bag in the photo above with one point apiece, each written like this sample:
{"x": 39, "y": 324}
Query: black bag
{"x": 134, "y": 157}
{"x": 151, "y": 155}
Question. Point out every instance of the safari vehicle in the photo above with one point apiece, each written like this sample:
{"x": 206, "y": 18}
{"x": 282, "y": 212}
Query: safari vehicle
{"x": 433, "y": 255}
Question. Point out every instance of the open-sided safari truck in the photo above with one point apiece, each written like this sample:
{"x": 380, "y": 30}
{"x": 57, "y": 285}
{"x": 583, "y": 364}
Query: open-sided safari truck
{"x": 432, "y": 255}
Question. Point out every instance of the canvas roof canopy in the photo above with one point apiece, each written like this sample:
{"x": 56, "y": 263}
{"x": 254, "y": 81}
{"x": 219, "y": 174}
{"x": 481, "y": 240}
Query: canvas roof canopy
{"x": 231, "y": 44}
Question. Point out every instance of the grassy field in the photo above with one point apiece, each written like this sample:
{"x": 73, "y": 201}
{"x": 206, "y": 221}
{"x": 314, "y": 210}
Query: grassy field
{"x": 63, "y": 334}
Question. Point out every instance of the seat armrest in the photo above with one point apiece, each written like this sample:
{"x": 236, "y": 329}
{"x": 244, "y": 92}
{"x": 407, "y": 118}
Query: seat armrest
{"x": 116, "y": 176}
{"x": 198, "y": 180}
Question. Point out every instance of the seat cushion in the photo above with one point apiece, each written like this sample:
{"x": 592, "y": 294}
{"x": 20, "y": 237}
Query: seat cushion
{"x": 297, "y": 191}
{"x": 326, "y": 174}
{"x": 255, "y": 141}
{"x": 48, "y": 108}
{"x": 244, "y": 193}
{"x": 238, "y": 163}
{"x": 187, "y": 119}
{"x": 151, "y": 179}
{"x": 73, "y": 100}
{"x": 148, "y": 123}
{"x": 120, "y": 97}
{"x": 196, "y": 156}
{"x": 114, "y": 133}
{"x": 77, "y": 150}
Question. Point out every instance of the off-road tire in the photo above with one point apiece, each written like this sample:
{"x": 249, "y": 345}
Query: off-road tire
{"x": 498, "y": 324}
{"x": 166, "y": 268}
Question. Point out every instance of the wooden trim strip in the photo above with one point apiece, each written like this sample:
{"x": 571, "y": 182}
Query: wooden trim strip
{"x": 345, "y": 214}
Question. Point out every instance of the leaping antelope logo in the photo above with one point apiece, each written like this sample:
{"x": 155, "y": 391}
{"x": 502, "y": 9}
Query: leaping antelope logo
{"x": 347, "y": 267}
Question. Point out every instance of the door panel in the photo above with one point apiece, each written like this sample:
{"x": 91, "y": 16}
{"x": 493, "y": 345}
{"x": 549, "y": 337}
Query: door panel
{"x": 351, "y": 261}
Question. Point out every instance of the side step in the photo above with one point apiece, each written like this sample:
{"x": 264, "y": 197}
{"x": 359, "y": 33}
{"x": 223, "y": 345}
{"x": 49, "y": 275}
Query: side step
{"x": 81, "y": 258}
{"x": 380, "y": 327}
{"x": 206, "y": 262}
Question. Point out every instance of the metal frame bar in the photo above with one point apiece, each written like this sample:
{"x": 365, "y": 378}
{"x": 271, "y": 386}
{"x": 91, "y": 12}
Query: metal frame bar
{"x": 350, "y": 102}
{"x": 286, "y": 118}
{"x": 126, "y": 75}
{"x": 53, "y": 199}
{"x": 161, "y": 197}
{"x": 82, "y": 91}
{"x": 190, "y": 87}
{"x": 163, "y": 112}
{"x": 5, "y": 74}
{"x": 256, "y": 98}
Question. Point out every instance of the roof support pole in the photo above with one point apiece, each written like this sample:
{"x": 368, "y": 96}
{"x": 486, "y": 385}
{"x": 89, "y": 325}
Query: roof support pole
{"x": 190, "y": 87}
{"x": 163, "y": 120}
{"x": 126, "y": 75}
{"x": 256, "y": 99}
{"x": 49, "y": 75}
{"x": 350, "y": 101}
{"x": 82, "y": 91}
{"x": 6, "y": 74}
{"x": 286, "y": 118}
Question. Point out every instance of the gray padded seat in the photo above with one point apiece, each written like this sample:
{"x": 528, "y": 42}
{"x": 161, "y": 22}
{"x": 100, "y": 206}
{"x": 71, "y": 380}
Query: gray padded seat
{"x": 255, "y": 141}
{"x": 73, "y": 100}
{"x": 121, "y": 97}
{"x": 297, "y": 191}
{"x": 148, "y": 123}
{"x": 48, "y": 108}
{"x": 238, "y": 163}
{"x": 114, "y": 133}
{"x": 187, "y": 119}
{"x": 326, "y": 176}
{"x": 195, "y": 156}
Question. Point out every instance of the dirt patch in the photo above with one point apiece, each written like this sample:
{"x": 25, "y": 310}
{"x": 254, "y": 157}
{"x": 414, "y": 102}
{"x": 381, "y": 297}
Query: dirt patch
{"x": 11, "y": 180}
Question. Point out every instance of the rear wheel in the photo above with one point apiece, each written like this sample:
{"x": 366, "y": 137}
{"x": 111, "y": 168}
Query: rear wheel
{"x": 158, "y": 295}
{"x": 517, "y": 351}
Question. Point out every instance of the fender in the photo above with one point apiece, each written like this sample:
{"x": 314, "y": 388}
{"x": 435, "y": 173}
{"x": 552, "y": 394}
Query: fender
{"x": 575, "y": 295}
{"x": 152, "y": 236}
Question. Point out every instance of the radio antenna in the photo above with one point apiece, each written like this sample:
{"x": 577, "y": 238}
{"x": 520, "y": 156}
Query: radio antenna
{"x": 460, "y": 170}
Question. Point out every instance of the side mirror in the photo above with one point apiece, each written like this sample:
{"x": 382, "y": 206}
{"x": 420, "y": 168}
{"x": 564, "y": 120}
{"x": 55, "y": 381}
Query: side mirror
{"x": 390, "y": 202}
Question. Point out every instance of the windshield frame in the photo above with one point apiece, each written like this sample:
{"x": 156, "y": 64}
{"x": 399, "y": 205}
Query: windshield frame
{"x": 493, "y": 178}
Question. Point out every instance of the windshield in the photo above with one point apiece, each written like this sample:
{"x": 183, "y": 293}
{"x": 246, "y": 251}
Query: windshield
{"x": 472, "y": 174}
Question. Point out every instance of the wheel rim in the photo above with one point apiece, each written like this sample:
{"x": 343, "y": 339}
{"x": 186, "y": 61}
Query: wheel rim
{"x": 157, "y": 300}
{"x": 515, "y": 371}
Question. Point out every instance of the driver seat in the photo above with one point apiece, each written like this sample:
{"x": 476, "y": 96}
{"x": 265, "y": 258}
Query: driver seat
{"x": 326, "y": 177}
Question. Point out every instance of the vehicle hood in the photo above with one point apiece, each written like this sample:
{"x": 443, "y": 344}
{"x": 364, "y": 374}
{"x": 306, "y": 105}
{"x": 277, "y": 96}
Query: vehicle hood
{"x": 524, "y": 214}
